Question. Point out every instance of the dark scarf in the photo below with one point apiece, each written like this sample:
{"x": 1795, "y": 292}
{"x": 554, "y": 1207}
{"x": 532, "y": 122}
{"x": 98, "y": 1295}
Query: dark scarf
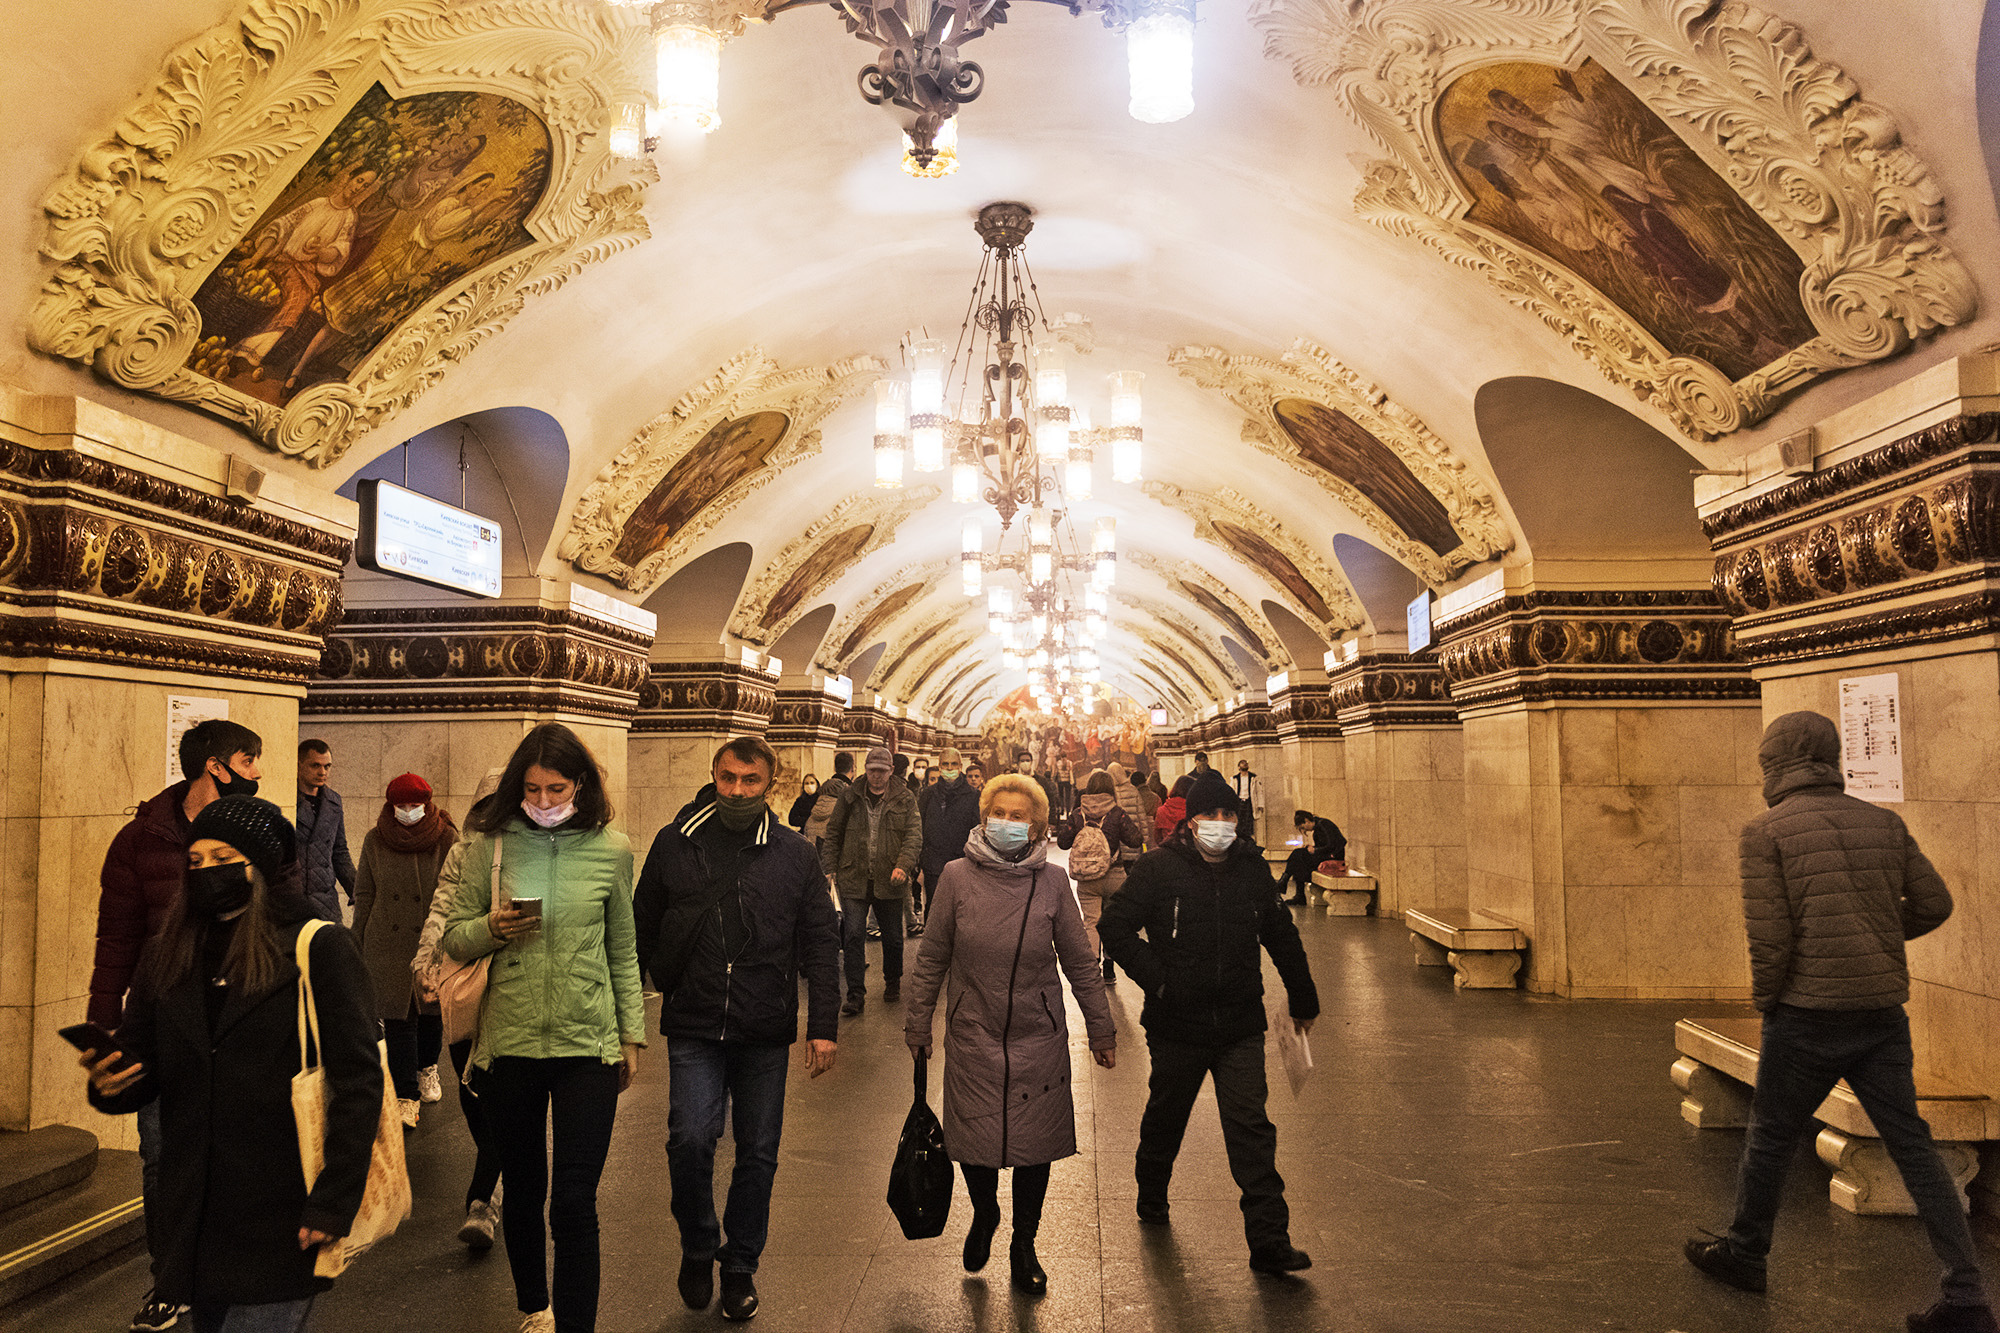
{"x": 422, "y": 836}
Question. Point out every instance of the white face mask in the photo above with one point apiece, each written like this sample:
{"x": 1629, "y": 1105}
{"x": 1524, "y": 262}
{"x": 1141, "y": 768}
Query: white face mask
{"x": 409, "y": 814}
{"x": 551, "y": 817}
{"x": 1215, "y": 836}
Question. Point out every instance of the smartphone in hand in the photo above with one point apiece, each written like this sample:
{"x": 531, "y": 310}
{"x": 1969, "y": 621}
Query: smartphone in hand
{"x": 532, "y": 906}
{"x": 93, "y": 1039}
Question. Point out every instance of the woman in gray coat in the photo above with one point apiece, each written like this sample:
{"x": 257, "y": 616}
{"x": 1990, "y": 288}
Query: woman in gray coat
{"x": 1002, "y": 921}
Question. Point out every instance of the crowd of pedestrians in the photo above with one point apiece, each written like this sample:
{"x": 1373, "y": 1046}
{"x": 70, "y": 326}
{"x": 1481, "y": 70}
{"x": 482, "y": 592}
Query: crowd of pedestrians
{"x": 519, "y": 943}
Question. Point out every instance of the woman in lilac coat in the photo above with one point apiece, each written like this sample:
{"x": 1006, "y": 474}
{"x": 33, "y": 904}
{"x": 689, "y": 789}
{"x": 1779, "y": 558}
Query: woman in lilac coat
{"x": 1001, "y": 923}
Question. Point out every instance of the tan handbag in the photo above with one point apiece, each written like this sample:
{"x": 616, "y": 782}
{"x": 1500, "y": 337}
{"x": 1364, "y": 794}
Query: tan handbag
{"x": 461, "y": 987}
{"x": 385, "y": 1201}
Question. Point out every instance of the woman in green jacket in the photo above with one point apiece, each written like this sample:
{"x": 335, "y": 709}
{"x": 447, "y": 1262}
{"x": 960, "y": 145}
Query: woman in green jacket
{"x": 560, "y": 1032}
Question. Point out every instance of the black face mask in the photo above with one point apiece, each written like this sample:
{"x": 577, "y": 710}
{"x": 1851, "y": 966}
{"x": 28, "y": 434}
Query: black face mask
{"x": 214, "y": 891}
{"x": 235, "y": 785}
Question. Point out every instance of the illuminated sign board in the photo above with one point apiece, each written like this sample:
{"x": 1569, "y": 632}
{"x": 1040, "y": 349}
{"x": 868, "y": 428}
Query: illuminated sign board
{"x": 1420, "y": 622}
{"x": 415, "y": 537}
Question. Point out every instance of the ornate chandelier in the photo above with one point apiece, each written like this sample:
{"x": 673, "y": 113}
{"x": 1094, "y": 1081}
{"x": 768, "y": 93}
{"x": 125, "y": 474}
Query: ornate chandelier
{"x": 1014, "y": 439}
{"x": 918, "y": 72}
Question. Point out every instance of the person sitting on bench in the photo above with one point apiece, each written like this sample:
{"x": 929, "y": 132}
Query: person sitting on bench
{"x": 1323, "y": 842}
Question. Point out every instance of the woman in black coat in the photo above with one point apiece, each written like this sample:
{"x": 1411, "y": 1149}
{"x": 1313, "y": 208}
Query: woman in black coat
{"x": 802, "y": 808}
{"x": 1325, "y": 842}
{"x": 213, "y": 1023}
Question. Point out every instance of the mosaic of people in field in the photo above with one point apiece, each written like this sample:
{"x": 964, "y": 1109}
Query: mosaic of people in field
{"x": 1571, "y": 164}
{"x": 1115, "y": 731}
{"x": 403, "y": 200}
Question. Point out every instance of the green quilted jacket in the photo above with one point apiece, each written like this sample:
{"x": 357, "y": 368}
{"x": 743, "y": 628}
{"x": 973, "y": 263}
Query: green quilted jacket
{"x": 572, "y": 987}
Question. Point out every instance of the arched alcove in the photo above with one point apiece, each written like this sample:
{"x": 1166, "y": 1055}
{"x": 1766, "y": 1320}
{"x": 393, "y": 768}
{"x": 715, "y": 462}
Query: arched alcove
{"x": 515, "y": 465}
{"x": 1385, "y": 585}
{"x": 795, "y": 650}
{"x": 1305, "y": 646}
{"x": 694, "y": 604}
{"x": 1587, "y": 480}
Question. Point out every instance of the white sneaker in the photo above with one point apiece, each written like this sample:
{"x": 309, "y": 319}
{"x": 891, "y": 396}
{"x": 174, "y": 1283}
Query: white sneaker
{"x": 541, "y": 1321}
{"x": 410, "y": 1109}
{"x": 478, "y": 1229}
{"x": 429, "y": 1089}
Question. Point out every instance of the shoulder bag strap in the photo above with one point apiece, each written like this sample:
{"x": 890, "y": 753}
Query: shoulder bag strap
{"x": 493, "y": 882}
{"x": 308, "y": 1008}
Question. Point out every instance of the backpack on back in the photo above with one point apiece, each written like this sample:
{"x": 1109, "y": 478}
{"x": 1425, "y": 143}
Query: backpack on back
{"x": 1090, "y": 854}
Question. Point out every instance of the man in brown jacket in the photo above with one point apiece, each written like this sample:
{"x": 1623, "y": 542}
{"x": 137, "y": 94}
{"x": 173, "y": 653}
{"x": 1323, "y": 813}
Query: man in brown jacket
{"x": 1832, "y": 887}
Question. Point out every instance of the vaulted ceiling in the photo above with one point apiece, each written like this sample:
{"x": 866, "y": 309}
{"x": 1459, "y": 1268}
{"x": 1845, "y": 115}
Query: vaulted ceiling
{"x": 1225, "y": 256}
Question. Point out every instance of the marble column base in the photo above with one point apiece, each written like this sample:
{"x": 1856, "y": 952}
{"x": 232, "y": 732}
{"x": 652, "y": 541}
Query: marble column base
{"x": 1865, "y": 1180}
{"x": 1493, "y": 969}
{"x": 1713, "y": 1100}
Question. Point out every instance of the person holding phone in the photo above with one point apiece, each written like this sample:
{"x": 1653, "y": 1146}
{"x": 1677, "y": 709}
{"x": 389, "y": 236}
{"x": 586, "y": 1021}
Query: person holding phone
{"x": 1003, "y": 922}
{"x": 560, "y": 1031}
{"x": 210, "y": 1036}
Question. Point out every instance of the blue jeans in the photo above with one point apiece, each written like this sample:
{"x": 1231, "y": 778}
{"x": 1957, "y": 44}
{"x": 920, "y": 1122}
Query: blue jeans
{"x": 707, "y": 1079}
{"x": 277, "y": 1317}
{"x": 1804, "y": 1053}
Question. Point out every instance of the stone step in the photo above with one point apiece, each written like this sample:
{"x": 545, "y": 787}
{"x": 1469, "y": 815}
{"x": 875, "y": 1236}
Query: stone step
{"x": 42, "y": 1161}
{"x": 99, "y": 1218}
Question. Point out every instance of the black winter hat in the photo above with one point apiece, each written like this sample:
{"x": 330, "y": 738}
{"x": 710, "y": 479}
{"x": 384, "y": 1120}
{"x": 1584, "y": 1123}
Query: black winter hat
{"x": 254, "y": 827}
{"x": 1211, "y": 791}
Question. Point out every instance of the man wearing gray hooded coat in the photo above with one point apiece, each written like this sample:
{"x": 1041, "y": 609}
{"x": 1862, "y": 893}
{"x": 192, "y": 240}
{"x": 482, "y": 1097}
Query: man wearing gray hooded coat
{"x": 1832, "y": 887}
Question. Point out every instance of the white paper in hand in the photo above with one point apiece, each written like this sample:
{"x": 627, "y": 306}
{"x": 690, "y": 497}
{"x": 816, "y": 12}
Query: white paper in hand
{"x": 1293, "y": 1047}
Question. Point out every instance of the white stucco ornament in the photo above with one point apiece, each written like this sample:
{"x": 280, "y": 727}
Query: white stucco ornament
{"x": 195, "y": 168}
{"x": 748, "y": 385}
{"x": 1785, "y": 129}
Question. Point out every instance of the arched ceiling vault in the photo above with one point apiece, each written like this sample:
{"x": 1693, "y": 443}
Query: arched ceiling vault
{"x": 1224, "y": 256}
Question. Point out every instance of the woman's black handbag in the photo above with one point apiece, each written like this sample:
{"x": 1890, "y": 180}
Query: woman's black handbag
{"x": 920, "y": 1181}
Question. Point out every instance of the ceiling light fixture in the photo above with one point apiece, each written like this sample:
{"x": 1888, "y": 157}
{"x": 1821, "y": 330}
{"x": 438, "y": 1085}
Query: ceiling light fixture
{"x": 918, "y": 72}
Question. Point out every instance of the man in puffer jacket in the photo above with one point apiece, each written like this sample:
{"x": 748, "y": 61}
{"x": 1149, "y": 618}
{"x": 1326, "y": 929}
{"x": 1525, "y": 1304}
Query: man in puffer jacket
{"x": 1832, "y": 887}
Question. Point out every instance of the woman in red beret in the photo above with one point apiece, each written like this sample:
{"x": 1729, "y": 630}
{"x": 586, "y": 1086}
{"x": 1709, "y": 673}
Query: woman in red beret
{"x": 393, "y": 885}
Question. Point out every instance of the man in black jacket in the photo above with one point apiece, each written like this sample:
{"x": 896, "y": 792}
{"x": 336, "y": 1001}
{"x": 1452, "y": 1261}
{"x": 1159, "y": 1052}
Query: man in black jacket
{"x": 949, "y": 809}
{"x": 1322, "y": 841}
{"x": 730, "y": 909}
{"x": 1207, "y": 905}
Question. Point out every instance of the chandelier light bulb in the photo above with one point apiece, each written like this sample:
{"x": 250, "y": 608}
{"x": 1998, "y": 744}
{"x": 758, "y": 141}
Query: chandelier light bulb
{"x": 1054, "y": 439}
{"x": 1076, "y": 478}
{"x": 1125, "y": 398}
{"x": 964, "y": 482}
{"x": 1041, "y": 567}
{"x": 1041, "y": 530}
{"x": 927, "y": 376}
{"x": 889, "y": 462}
{"x": 927, "y": 446}
{"x": 689, "y": 65}
{"x": 1104, "y": 536}
{"x": 1096, "y": 602}
{"x": 628, "y": 133}
{"x": 1051, "y": 377}
{"x": 946, "y": 160}
{"x": 973, "y": 537}
{"x": 971, "y": 574}
{"x": 892, "y": 407}
{"x": 1127, "y": 459}
{"x": 1039, "y": 623}
{"x": 1159, "y": 54}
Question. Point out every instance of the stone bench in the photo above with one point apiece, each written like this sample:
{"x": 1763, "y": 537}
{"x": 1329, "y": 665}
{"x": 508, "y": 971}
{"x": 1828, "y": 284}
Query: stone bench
{"x": 1351, "y": 894}
{"x": 1718, "y": 1067}
{"x": 1483, "y": 951}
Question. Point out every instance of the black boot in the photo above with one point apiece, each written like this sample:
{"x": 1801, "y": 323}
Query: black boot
{"x": 1027, "y": 1274}
{"x": 979, "y": 1240}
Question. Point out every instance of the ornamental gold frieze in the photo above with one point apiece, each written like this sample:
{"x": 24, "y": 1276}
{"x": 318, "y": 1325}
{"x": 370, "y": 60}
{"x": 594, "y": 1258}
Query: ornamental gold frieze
{"x": 480, "y": 658}
{"x": 1304, "y": 712}
{"x": 1973, "y": 615}
{"x": 1905, "y": 539}
{"x": 1391, "y": 689}
{"x": 805, "y": 717}
{"x": 1250, "y": 723}
{"x": 705, "y": 696}
{"x": 868, "y": 726}
{"x": 81, "y": 535}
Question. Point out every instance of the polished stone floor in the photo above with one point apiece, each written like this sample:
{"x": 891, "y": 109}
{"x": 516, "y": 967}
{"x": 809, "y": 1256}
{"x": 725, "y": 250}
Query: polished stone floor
{"x": 1459, "y": 1162}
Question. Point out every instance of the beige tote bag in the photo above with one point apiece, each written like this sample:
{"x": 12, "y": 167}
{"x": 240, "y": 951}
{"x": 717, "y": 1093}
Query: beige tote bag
{"x": 386, "y": 1201}
{"x": 461, "y": 987}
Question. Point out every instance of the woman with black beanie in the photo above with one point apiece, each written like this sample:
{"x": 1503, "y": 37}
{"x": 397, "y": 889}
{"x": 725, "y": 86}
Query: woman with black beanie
{"x": 213, "y": 1028}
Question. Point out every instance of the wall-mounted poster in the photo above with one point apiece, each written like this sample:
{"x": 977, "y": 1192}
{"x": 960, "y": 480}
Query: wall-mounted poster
{"x": 183, "y": 711}
{"x": 1871, "y": 737}
{"x": 404, "y": 198}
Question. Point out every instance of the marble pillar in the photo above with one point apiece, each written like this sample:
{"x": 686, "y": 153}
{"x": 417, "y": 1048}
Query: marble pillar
{"x": 1403, "y": 758}
{"x": 131, "y": 572}
{"x": 1881, "y": 556}
{"x": 1610, "y": 759}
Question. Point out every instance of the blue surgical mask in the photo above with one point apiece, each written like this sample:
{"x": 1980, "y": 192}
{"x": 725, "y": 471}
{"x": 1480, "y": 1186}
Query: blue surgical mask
{"x": 1215, "y": 836}
{"x": 1006, "y": 836}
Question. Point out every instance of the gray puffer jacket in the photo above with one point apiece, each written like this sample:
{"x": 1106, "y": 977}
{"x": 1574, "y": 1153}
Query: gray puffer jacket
{"x": 1832, "y": 886}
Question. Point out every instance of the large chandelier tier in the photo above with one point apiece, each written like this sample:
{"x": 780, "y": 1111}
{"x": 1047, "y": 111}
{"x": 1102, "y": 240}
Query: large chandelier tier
{"x": 1008, "y": 430}
{"x": 919, "y": 72}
